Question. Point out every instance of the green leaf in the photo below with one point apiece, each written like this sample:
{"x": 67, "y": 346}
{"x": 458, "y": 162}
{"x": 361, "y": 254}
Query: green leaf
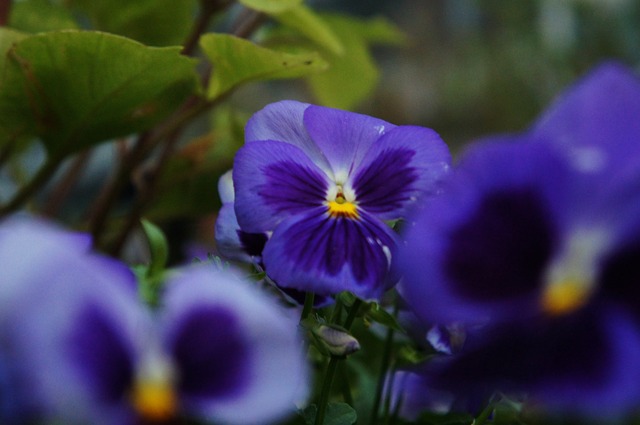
{"x": 75, "y": 89}
{"x": 152, "y": 22}
{"x": 307, "y": 22}
{"x": 40, "y": 15}
{"x": 379, "y": 30}
{"x": 337, "y": 414}
{"x": 158, "y": 247}
{"x": 380, "y": 315}
{"x": 238, "y": 61}
{"x": 7, "y": 39}
{"x": 351, "y": 76}
{"x": 151, "y": 276}
{"x": 270, "y": 6}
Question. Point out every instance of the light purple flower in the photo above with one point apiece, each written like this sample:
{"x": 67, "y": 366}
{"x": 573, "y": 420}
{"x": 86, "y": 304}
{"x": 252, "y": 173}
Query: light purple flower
{"x": 324, "y": 181}
{"x": 88, "y": 351}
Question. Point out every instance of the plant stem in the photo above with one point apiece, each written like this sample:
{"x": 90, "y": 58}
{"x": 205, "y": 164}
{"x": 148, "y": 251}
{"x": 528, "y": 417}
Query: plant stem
{"x": 27, "y": 191}
{"x": 353, "y": 312}
{"x": 208, "y": 9}
{"x": 63, "y": 188}
{"x": 5, "y": 12}
{"x": 384, "y": 366}
{"x": 308, "y": 305}
{"x": 326, "y": 389}
{"x": 332, "y": 366}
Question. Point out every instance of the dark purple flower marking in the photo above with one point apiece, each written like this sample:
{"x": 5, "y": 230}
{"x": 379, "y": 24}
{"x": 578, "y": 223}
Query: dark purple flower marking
{"x": 209, "y": 333}
{"x": 323, "y": 181}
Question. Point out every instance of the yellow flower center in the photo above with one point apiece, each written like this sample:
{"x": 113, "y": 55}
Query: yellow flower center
{"x": 341, "y": 208}
{"x": 565, "y": 297}
{"x": 155, "y": 400}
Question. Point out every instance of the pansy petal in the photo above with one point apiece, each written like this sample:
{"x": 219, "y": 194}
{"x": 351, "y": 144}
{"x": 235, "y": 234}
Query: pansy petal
{"x": 595, "y": 123}
{"x": 283, "y": 121}
{"x": 232, "y": 242}
{"x": 405, "y": 164}
{"x": 225, "y": 188}
{"x": 344, "y": 137}
{"x": 585, "y": 363}
{"x": 240, "y": 341}
{"x": 479, "y": 249}
{"x": 274, "y": 180}
{"x": 78, "y": 323}
{"x": 317, "y": 253}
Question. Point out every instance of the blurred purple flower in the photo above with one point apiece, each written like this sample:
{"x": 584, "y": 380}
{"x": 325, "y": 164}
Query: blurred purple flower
{"x": 537, "y": 238}
{"x": 215, "y": 351}
{"x": 324, "y": 181}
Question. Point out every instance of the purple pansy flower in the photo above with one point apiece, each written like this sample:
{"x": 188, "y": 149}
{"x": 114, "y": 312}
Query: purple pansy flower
{"x": 536, "y": 238}
{"x": 235, "y": 244}
{"x": 215, "y": 350}
{"x": 324, "y": 181}
{"x": 231, "y": 241}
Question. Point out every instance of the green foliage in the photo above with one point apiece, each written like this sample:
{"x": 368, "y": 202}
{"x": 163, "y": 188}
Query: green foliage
{"x": 41, "y": 15}
{"x": 337, "y": 414}
{"x": 352, "y": 75}
{"x": 74, "y": 89}
{"x": 374, "y": 312}
{"x": 238, "y": 61}
{"x": 312, "y": 26}
{"x": 270, "y": 6}
{"x": 153, "y": 22}
{"x": 150, "y": 276}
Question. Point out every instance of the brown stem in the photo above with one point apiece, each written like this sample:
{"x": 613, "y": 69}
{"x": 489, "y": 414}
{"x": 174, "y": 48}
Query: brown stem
{"x": 60, "y": 193}
{"x": 27, "y": 191}
{"x": 5, "y": 12}
{"x": 248, "y": 21}
{"x": 147, "y": 190}
{"x": 100, "y": 211}
{"x": 208, "y": 9}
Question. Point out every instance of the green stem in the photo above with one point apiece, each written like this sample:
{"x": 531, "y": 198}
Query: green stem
{"x": 332, "y": 366}
{"x": 353, "y": 312}
{"x": 308, "y": 305}
{"x": 384, "y": 366}
{"x": 344, "y": 380}
{"x": 41, "y": 177}
{"x": 326, "y": 389}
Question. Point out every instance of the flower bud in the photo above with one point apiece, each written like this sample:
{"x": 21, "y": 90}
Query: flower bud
{"x": 337, "y": 341}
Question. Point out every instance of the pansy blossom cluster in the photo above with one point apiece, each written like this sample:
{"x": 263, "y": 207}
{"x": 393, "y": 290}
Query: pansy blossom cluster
{"x": 78, "y": 346}
{"x": 535, "y": 242}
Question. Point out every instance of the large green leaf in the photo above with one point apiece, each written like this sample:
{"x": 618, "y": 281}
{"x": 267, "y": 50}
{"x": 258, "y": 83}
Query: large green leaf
{"x": 40, "y": 16}
{"x": 7, "y": 38}
{"x": 270, "y": 6}
{"x": 74, "y": 89}
{"x": 238, "y": 61}
{"x": 152, "y": 22}
{"x": 312, "y": 26}
{"x": 353, "y": 75}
